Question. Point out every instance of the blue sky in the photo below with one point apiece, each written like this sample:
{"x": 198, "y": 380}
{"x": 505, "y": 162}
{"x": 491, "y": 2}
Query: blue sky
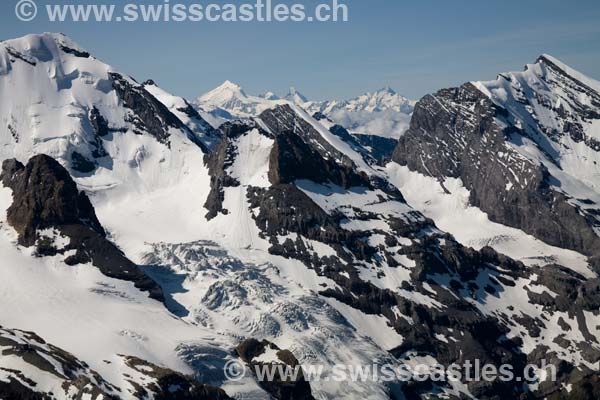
{"x": 415, "y": 47}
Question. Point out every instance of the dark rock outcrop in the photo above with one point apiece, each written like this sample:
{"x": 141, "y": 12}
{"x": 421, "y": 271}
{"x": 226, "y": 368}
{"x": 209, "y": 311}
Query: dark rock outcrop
{"x": 280, "y": 387}
{"x": 166, "y": 384}
{"x": 291, "y": 158}
{"x": 380, "y": 148}
{"x": 78, "y": 379}
{"x": 282, "y": 120}
{"x": 218, "y": 161}
{"x": 46, "y": 197}
{"x": 148, "y": 114}
{"x": 81, "y": 164}
{"x": 98, "y": 122}
{"x": 455, "y": 133}
{"x": 75, "y": 52}
{"x": 211, "y": 136}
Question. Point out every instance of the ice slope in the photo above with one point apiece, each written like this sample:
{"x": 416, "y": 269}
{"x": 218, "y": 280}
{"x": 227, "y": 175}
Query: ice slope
{"x": 49, "y": 118}
{"x": 197, "y": 122}
{"x": 238, "y": 299}
{"x": 47, "y": 94}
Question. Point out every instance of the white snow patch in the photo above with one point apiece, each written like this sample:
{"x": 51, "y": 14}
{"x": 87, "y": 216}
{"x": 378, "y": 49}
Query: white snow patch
{"x": 471, "y": 226}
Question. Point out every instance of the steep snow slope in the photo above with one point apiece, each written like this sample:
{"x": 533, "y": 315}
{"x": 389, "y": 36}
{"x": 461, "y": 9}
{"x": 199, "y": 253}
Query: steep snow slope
{"x": 180, "y": 107}
{"x": 559, "y": 109}
{"x": 122, "y": 145}
{"x": 448, "y": 205}
{"x": 109, "y": 131}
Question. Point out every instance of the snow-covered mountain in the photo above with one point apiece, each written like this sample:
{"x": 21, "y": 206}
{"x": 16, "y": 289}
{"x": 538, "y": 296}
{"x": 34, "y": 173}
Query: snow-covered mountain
{"x": 383, "y": 113}
{"x": 536, "y": 151}
{"x": 229, "y": 101}
{"x": 295, "y": 96}
{"x": 137, "y": 156}
{"x": 381, "y": 100}
{"x": 372, "y": 121}
{"x": 160, "y": 248}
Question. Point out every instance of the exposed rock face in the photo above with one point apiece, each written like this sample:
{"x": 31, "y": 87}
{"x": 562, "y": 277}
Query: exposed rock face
{"x": 291, "y": 158}
{"x": 374, "y": 149}
{"x": 13, "y": 389}
{"x": 283, "y": 119}
{"x": 281, "y": 387}
{"x": 217, "y": 162}
{"x": 380, "y": 148}
{"x": 76, "y": 376}
{"x": 285, "y": 209}
{"x": 149, "y": 114}
{"x": 211, "y": 135}
{"x": 448, "y": 291}
{"x": 166, "y": 384}
{"x": 76, "y": 380}
{"x": 457, "y": 133}
{"x": 75, "y": 52}
{"x": 45, "y": 198}
{"x": 98, "y": 122}
{"x": 81, "y": 164}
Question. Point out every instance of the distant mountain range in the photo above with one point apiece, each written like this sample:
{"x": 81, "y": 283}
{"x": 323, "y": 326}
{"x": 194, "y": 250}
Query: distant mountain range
{"x": 382, "y": 113}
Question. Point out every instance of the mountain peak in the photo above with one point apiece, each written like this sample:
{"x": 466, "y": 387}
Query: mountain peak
{"x": 295, "y": 96}
{"x": 386, "y": 90}
{"x": 33, "y": 38}
{"x": 553, "y": 62}
{"x": 44, "y": 46}
{"x": 547, "y": 58}
{"x": 561, "y": 67}
{"x": 268, "y": 96}
{"x": 230, "y": 86}
{"x": 224, "y": 93}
